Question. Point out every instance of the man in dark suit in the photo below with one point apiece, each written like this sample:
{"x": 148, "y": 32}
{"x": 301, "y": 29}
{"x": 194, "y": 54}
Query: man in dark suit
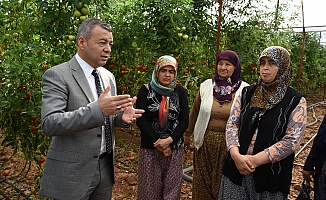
{"x": 80, "y": 108}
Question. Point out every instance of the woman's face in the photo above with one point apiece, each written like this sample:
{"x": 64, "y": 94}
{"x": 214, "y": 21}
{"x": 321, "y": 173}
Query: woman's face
{"x": 225, "y": 68}
{"x": 166, "y": 75}
{"x": 268, "y": 69}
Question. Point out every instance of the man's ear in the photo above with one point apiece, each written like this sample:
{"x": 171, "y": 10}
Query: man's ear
{"x": 81, "y": 42}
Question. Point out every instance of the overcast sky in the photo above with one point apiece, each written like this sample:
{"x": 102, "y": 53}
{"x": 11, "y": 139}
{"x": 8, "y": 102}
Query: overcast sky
{"x": 314, "y": 15}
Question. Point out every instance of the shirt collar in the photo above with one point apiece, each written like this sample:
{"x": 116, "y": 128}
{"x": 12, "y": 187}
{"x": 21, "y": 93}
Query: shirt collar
{"x": 87, "y": 69}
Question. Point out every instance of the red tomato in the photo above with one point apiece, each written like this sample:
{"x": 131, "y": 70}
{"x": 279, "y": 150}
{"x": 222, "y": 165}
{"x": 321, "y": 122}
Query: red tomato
{"x": 6, "y": 173}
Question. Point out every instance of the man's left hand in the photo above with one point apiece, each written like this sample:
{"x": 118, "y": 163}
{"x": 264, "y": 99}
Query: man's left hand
{"x": 131, "y": 114}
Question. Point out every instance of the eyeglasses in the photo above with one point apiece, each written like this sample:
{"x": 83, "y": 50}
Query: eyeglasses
{"x": 164, "y": 71}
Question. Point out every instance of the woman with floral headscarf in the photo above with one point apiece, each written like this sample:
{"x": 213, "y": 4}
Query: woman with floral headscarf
{"x": 208, "y": 118}
{"x": 160, "y": 164}
{"x": 264, "y": 129}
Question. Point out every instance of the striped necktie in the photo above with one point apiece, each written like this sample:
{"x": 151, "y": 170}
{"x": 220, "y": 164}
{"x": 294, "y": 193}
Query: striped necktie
{"x": 107, "y": 129}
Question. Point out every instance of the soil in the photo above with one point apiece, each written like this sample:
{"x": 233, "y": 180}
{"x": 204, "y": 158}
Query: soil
{"x": 22, "y": 184}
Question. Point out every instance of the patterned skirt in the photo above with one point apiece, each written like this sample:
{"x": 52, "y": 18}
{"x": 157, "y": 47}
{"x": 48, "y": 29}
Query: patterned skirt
{"x": 208, "y": 165}
{"x": 246, "y": 191}
{"x": 159, "y": 177}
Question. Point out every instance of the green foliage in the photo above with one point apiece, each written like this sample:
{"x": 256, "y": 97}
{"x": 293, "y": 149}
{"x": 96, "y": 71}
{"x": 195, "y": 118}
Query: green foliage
{"x": 146, "y": 30}
{"x": 313, "y": 75}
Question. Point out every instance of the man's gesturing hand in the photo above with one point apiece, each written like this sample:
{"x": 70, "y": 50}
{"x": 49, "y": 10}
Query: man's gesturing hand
{"x": 131, "y": 114}
{"x": 109, "y": 104}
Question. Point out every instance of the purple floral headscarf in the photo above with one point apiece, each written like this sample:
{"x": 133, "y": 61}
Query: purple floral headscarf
{"x": 224, "y": 88}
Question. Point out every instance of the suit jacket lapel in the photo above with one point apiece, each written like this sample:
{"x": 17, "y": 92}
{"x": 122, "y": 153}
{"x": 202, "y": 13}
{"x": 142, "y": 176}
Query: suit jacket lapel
{"x": 82, "y": 81}
{"x": 106, "y": 80}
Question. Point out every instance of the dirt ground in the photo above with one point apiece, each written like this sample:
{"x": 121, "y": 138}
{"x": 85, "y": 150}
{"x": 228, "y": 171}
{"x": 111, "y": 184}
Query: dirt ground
{"x": 127, "y": 145}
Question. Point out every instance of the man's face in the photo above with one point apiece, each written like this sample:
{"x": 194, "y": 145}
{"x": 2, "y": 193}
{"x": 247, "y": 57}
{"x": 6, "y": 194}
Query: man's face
{"x": 97, "y": 49}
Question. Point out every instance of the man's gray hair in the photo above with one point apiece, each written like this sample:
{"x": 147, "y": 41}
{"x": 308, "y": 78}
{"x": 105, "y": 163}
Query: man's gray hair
{"x": 89, "y": 24}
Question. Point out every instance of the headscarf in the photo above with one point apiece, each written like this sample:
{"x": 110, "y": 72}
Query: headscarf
{"x": 162, "y": 62}
{"x": 166, "y": 92}
{"x": 224, "y": 88}
{"x": 268, "y": 95}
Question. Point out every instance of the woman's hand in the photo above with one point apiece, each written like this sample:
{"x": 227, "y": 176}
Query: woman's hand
{"x": 186, "y": 139}
{"x": 308, "y": 175}
{"x": 258, "y": 159}
{"x": 167, "y": 152}
{"x": 242, "y": 162}
{"x": 162, "y": 144}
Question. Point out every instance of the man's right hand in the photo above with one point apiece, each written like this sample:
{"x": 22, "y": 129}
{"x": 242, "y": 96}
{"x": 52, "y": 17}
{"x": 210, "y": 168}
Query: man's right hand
{"x": 108, "y": 104}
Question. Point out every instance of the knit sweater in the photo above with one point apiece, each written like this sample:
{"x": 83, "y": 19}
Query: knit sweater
{"x": 317, "y": 155}
{"x": 149, "y": 100}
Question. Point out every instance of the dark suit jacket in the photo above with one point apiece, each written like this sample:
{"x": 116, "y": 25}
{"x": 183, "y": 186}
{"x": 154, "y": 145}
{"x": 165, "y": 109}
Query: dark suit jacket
{"x": 317, "y": 155}
{"x": 73, "y": 119}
